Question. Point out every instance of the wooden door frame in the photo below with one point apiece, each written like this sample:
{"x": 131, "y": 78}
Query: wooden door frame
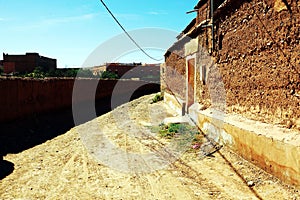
{"x": 187, "y": 80}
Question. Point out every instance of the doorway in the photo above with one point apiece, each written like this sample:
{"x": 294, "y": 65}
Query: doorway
{"x": 191, "y": 61}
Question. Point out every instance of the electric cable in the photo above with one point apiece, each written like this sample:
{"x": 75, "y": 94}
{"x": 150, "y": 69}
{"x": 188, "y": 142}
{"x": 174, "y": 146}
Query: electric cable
{"x": 128, "y": 35}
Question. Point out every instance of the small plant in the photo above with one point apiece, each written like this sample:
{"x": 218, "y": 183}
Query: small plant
{"x": 157, "y": 98}
{"x": 182, "y": 135}
{"x": 166, "y": 134}
{"x": 109, "y": 75}
{"x": 176, "y": 128}
{"x": 37, "y": 73}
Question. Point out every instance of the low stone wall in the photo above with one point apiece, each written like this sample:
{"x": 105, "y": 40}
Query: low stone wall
{"x": 21, "y": 97}
{"x": 274, "y": 149}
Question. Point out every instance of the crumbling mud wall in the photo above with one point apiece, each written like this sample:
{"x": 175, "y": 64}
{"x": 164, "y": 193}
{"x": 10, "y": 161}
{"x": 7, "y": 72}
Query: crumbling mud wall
{"x": 173, "y": 73}
{"x": 22, "y": 97}
{"x": 259, "y": 59}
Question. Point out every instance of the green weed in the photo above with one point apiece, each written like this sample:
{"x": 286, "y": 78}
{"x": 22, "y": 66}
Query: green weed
{"x": 157, "y": 98}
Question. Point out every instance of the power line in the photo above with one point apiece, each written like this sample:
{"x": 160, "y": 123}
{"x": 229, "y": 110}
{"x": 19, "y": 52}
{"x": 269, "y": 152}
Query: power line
{"x": 128, "y": 35}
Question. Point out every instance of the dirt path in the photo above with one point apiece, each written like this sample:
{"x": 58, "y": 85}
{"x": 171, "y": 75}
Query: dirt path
{"x": 62, "y": 168}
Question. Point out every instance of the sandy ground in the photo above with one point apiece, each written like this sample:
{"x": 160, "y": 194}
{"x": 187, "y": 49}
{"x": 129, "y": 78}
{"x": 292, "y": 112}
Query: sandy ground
{"x": 77, "y": 165}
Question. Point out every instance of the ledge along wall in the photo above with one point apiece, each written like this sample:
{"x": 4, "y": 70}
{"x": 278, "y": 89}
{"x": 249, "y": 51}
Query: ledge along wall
{"x": 23, "y": 97}
{"x": 274, "y": 149}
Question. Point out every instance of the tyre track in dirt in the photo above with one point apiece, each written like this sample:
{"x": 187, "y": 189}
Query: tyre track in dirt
{"x": 152, "y": 179}
{"x": 184, "y": 169}
{"x": 60, "y": 187}
{"x": 187, "y": 171}
{"x": 151, "y": 187}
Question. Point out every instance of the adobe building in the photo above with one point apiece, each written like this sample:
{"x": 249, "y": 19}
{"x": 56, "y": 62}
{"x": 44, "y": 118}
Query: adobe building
{"x": 97, "y": 70}
{"x": 242, "y": 58}
{"x": 27, "y": 63}
{"x": 1, "y": 65}
{"x": 135, "y": 70}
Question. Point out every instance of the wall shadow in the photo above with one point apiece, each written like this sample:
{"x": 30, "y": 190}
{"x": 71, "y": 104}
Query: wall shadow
{"x": 19, "y": 135}
{"x": 6, "y": 168}
{"x": 22, "y": 134}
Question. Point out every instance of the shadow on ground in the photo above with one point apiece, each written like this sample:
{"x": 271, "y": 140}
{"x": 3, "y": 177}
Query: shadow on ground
{"x": 23, "y": 134}
{"x": 6, "y": 168}
{"x": 33, "y": 130}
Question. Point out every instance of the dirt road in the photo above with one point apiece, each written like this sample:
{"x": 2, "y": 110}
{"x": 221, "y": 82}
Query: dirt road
{"x": 63, "y": 168}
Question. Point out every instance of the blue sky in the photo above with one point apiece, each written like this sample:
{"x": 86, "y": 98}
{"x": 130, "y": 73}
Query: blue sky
{"x": 69, "y": 30}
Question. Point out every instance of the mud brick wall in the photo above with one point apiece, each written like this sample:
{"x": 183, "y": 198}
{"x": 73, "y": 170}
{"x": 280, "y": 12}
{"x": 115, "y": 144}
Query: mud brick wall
{"x": 259, "y": 59}
{"x": 174, "y": 75}
{"x": 22, "y": 97}
{"x": 203, "y": 12}
{"x": 174, "y": 70}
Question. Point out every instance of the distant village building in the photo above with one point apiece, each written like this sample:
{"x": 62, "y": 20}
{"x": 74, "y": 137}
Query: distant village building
{"x": 135, "y": 70}
{"x": 97, "y": 70}
{"x": 1, "y": 65}
{"x": 27, "y": 63}
{"x": 121, "y": 68}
